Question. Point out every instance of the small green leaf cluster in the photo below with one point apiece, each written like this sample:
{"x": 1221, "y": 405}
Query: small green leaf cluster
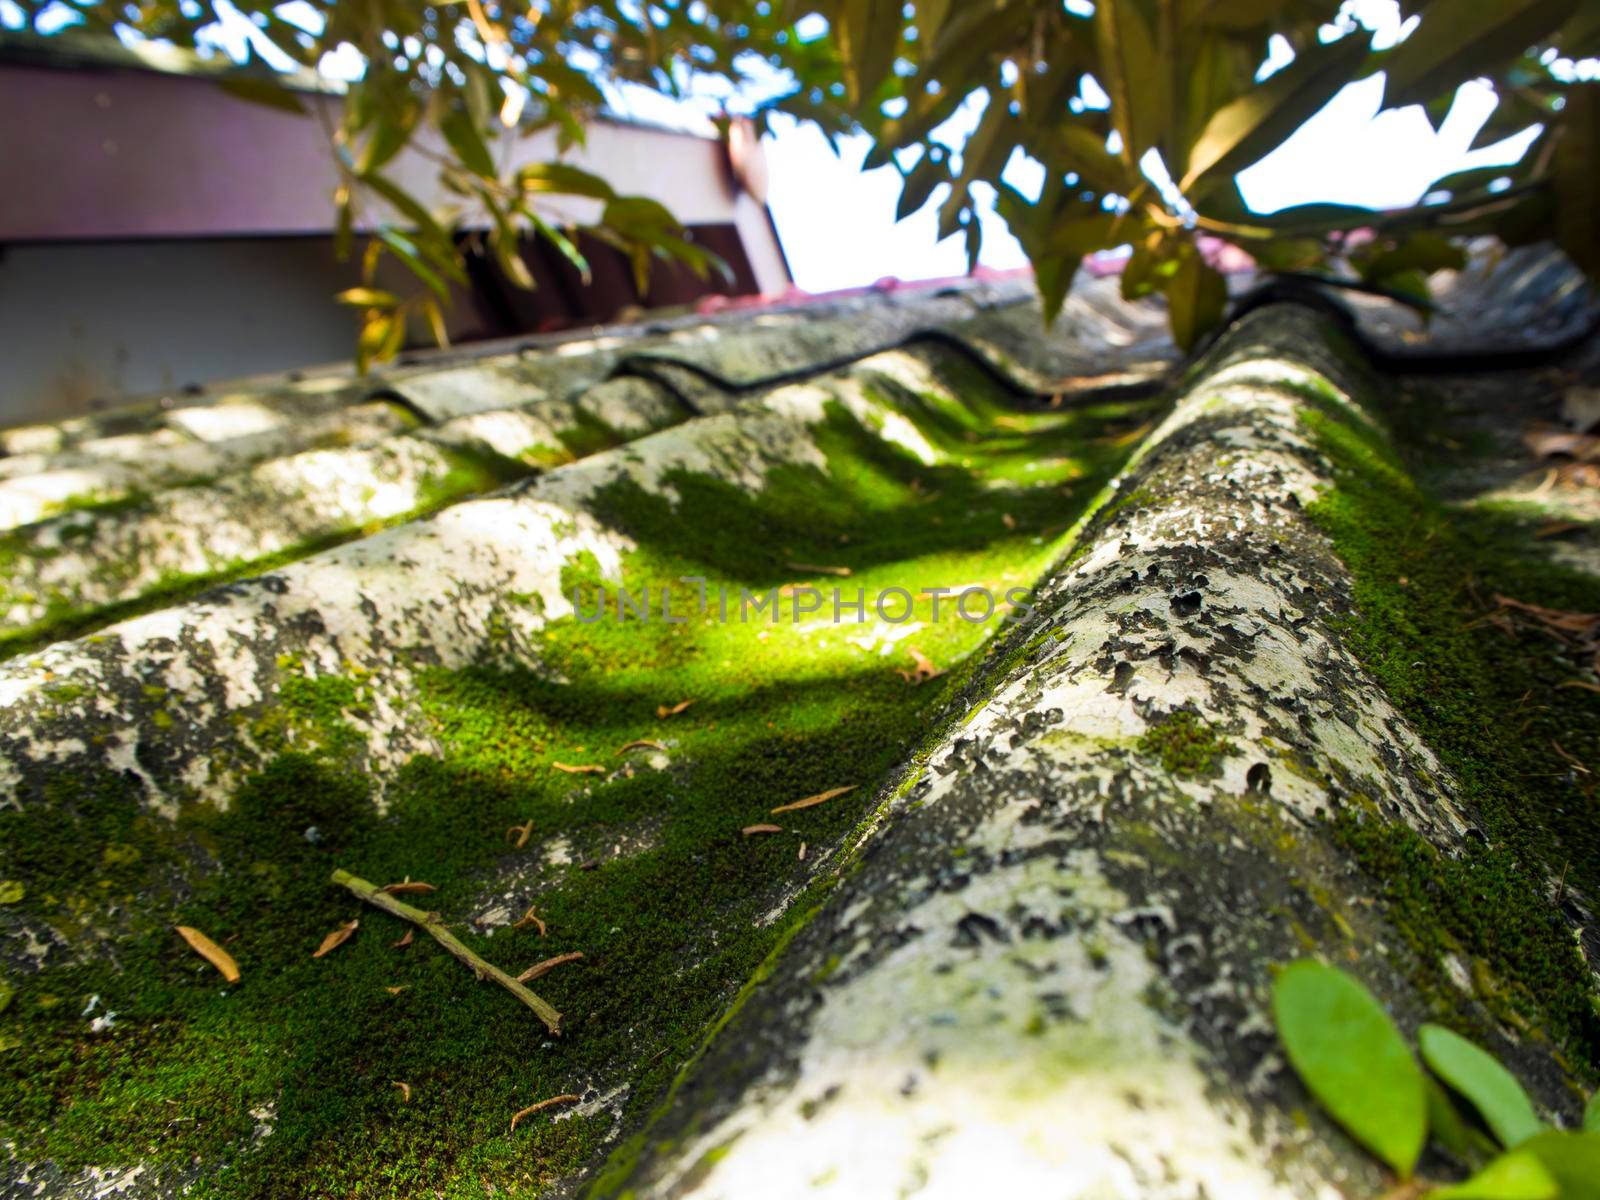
{"x": 1353, "y": 1059}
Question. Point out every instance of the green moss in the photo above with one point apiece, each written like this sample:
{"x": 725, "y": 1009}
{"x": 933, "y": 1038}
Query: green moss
{"x": 1490, "y": 703}
{"x": 1185, "y": 743}
{"x": 670, "y": 905}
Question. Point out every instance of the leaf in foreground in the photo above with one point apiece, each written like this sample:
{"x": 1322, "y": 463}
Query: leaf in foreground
{"x": 1476, "y": 1076}
{"x": 1351, "y": 1057}
{"x": 1515, "y": 1176}
{"x": 210, "y": 951}
{"x": 811, "y": 801}
{"x": 1573, "y": 1158}
{"x": 748, "y": 830}
{"x": 337, "y": 938}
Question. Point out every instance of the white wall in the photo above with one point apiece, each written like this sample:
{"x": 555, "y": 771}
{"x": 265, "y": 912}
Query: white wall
{"x": 81, "y": 321}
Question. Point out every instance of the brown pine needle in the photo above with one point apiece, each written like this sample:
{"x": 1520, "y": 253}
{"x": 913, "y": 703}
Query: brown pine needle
{"x": 663, "y": 711}
{"x": 814, "y": 569}
{"x": 750, "y": 829}
{"x": 810, "y": 801}
{"x": 521, "y": 834}
{"x": 548, "y": 965}
{"x": 435, "y": 928}
{"x": 1580, "y": 683}
{"x": 408, "y": 888}
{"x": 337, "y": 938}
{"x": 1571, "y": 758}
{"x": 530, "y": 918}
{"x": 210, "y": 951}
{"x": 642, "y": 743}
{"x": 568, "y": 1098}
{"x": 587, "y": 769}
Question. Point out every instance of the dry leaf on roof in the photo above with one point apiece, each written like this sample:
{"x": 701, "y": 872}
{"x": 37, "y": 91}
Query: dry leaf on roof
{"x": 568, "y": 1098}
{"x": 811, "y": 801}
{"x": 663, "y": 711}
{"x": 1558, "y": 621}
{"x": 529, "y": 918}
{"x": 1549, "y": 442}
{"x": 749, "y": 829}
{"x": 922, "y": 668}
{"x": 519, "y": 834}
{"x": 210, "y": 951}
{"x": 642, "y": 743}
{"x": 337, "y": 938}
{"x": 587, "y": 769}
{"x": 403, "y": 942}
{"x": 548, "y": 965}
{"x": 1556, "y": 528}
{"x": 405, "y": 1090}
{"x": 408, "y": 888}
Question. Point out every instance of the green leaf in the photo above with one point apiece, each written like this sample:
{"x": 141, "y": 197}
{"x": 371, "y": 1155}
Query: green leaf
{"x": 380, "y": 336}
{"x": 1197, "y": 296}
{"x": 1574, "y": 1160}
{"x": 11, "y": 891}
{"x": 428, "y": 229}
{"x": 365, "y": 297}
{"x": 265, "y": 92}
{"x": 1475, "y": 1074}
{"x": 1053, "y": 277}
{"x": 1516, "y": 1176}
{"x": 1446, "y": 1126}
{"x": 1134, "y": 75}
{"x": 1576, "y": 178}
{"x": 1461, "y": 39}
{"x": 563, "y": 179}
{"x": 1351, "y": 1057}
{"x": 1423, "y": 251}
{"x": 639, "y": 217}
{"x": 466, "y": 139}
{"x": 1591, "y": 1114}
{"x": 1257, "y": 122}
{"x": 435, "y": 315}
{"x": 1072, "y": 146}
{"x": 410, "y": 255}
{"x": 919, "y": 183}
{"x": 563, "y": 243}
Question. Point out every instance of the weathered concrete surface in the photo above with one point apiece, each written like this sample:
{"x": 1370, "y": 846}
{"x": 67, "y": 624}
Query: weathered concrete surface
{"x": 1041, "y": 963}
{"x": 88, "y": 560}
{"x": 448, "y": 590}
{"x": 1047, "y": 971}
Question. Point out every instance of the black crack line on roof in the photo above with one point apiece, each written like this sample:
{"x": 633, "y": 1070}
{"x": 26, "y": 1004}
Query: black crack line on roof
{"x": 657, "y": 368}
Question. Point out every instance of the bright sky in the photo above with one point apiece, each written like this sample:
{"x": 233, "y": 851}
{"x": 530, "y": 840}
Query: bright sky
{"x": 837, "y": 223}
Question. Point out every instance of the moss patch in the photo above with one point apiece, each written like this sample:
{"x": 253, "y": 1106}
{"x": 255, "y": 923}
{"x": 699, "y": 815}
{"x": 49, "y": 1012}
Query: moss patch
{"x": 1490, "y": 703}
{"x": 1185, "y": 743}
{"x": 642, "y": 868}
